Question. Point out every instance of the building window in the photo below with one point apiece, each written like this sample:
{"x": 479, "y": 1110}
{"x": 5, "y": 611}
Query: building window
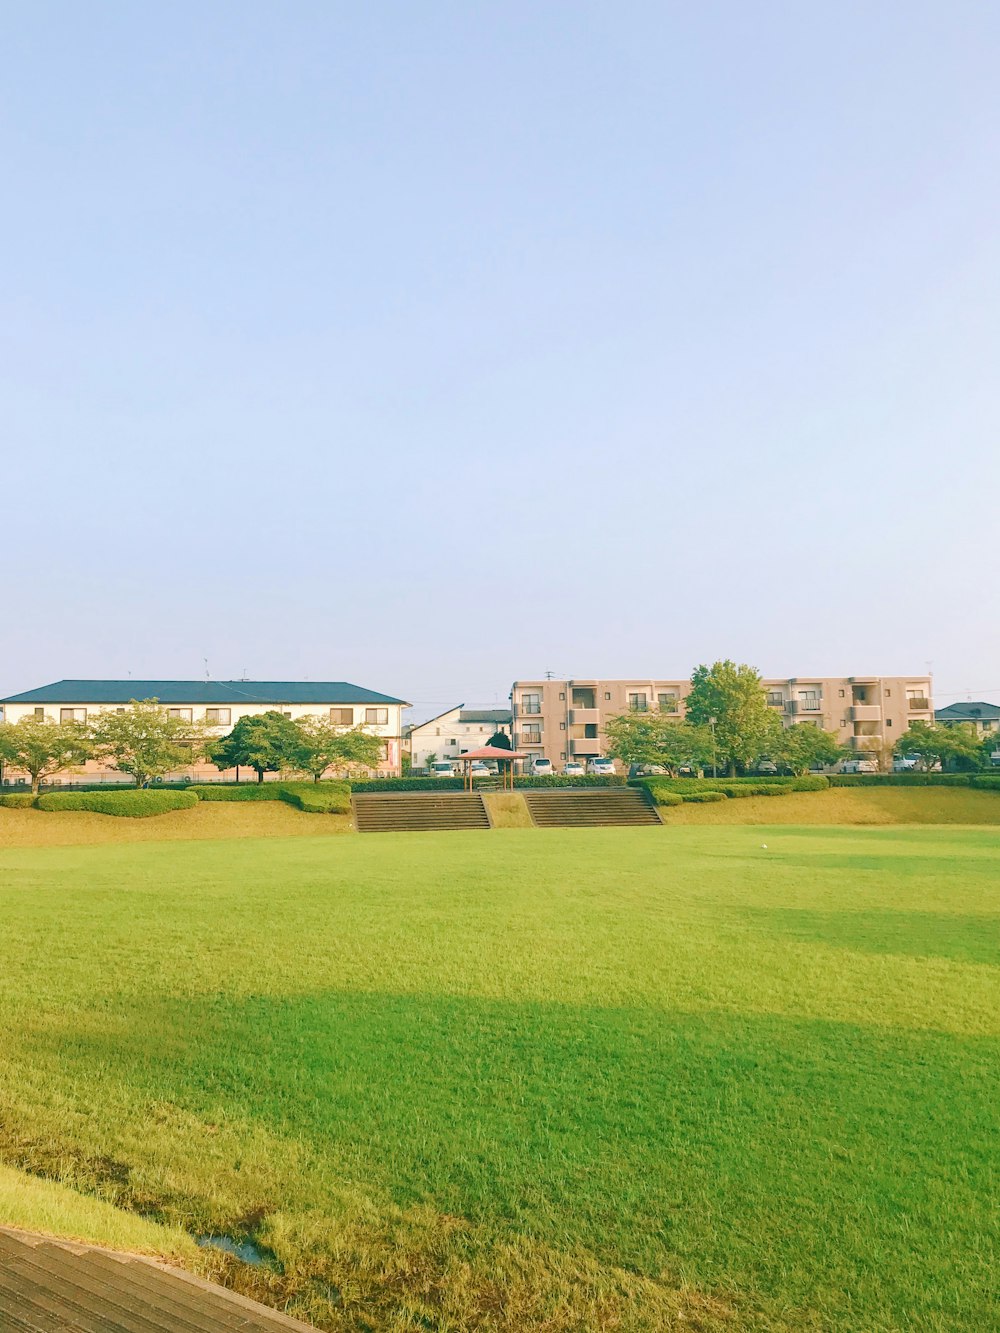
{"x": 40, "y": 713}
{"x": 531, "y": 703}
{"x": 562, "y": 726}
{"x": 344, "y": 717}
{"x": 775, "y": 699}
{"x": 562, "y": 754}
{"x": 607, "y": 694}
{"x": 562, "y": 695}
{"x": 841, "y": 693}
{"x": 637, "y": 703}
{"x": 917, "y": 699}
{"x": 532, "y": 733}
{"x": 286, "y": 714}
{"x": 809, "y": 701}
{"x": 181, "y": 714}
{"x": 667, "y": 703}
{"x": 377, "y": 717}
{"x": 888, "y": 694}
{"x": 217, "y": 717}
{"x": 71, "y": 714}
{"x": 888, "y": 722}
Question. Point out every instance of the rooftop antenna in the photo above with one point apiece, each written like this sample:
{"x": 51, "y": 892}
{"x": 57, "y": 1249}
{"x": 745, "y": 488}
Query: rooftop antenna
{"x": 549, "y": 675}
{"x": 244, "y": 677}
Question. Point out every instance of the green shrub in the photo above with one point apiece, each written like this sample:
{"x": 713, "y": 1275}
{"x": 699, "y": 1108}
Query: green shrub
{"x": 132, "y": 804}
{"x": 703, "y": 797}
{"x": 811, "y": 782}
{"x": 900, "y": 779}
{"x": 240, "y": 791}
{"x": 18, "y": 799}
{"x": 668, "y": 798}
{"x": 319, "y": 798}
{"x": 559, "y": 780}
{"x": 986, "y": 782}
{"x": 405, "y": 784}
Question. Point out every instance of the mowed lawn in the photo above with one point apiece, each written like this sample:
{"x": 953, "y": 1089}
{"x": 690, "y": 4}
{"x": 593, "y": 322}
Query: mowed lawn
{"x": 601, "y": 1079}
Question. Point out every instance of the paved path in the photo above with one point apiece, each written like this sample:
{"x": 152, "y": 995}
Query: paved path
{"x": 59, "y": 1286}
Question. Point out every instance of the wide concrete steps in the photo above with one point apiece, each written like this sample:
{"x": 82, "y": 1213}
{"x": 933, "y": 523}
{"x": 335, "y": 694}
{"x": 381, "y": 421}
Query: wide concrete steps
{"x": 54, "y": 1286}
{"x": 419, "y": 811}
{"x": 582, "y": 807}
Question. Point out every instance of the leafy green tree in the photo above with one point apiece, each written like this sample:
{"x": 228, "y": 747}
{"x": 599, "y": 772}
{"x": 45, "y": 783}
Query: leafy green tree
{"x": 42, "y": 746}
{"x": 500, "y": 740}
{"x": 266, "y": 742}
{"x": 324, "y": 745}
{"x": 935, "y": 743}
{"x": 144, "y": 741}
{"x": 657, "y": 738}
{"x": 745, "y": 728}
{"x": 803, "y": 745}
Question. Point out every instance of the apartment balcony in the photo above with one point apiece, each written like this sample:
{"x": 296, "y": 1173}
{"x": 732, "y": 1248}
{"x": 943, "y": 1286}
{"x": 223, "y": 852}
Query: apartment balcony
{"x": 585, "y": 747}
{"x": 865, "y": 713}
{"x": 808, "y": 706}
{"x": 584, "y": 717}
{"x": 918, "y": 704}
{"x": 866, "y": 744}
{"x": 528, "y": 738}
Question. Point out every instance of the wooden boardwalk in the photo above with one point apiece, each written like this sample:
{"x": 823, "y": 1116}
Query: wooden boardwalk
{"x": 59, "y": 1286}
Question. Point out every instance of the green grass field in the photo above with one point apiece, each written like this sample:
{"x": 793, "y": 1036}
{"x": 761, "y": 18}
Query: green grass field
{"x": 606, "y": 1079}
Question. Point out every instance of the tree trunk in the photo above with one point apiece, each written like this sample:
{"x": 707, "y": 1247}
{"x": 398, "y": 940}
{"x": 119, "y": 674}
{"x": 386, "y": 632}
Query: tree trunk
{"x": 260, "y": 775}
{"x": 35, "y": 781}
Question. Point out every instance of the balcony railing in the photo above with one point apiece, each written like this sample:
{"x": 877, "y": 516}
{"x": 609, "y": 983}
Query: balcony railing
{"x": 532, "y": 706}
{"x": 918, "y": 702}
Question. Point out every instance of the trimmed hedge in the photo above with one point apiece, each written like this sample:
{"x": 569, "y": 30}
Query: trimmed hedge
{"x": 406, "y": 784}
{"x": 660, "y": 796}
{"x": 986, "y": 781}
{"x": 18, "y": 800}
{"x": 703, "y": 797}
{"x": 241, "y": 791}
{"x": 900, "y": 779}
{"x": 735, "y": 788}
{"x": 132, "y": 804}
{"x": 328, "y": 798}
{"x": 559, "y": 780}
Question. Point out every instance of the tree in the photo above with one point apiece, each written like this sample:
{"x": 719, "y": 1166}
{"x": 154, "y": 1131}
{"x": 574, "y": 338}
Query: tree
{"x": 42, "y": 746}
{"x": 266, "y": 742}
{"x": 500, "y": 740}
{"x": 324, "y": 745}
{"x": 804, "y": 745}
{"x": 745, "y": 728}
{"x": 935, "y": 743}
{"x": 657, "y": 738}
{"x": 144, "y": 740}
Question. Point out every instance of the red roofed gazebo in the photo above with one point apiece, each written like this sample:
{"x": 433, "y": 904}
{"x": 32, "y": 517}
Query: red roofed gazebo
{"x": 490, "y": 752}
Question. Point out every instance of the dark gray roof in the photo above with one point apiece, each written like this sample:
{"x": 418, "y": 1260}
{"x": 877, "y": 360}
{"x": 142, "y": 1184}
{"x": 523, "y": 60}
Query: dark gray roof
{"x": 499, "y": 716}
{"x": 968, "y": 712}
{"x": 201, "y": 692}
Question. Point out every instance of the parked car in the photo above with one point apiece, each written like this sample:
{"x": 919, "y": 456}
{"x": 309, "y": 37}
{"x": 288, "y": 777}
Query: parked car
{"x": 441, "y": 768}
{"x": 767, "y": 768}
{"x": 573, "y": 769}
{"x": 541, "y": 768}
{"x": 478, "y": 769}
{"x": 492, "y": 766}
{"x": 859, "y": 766}
{"x": 600, "y": 768}
{"x": 646, "y": 771}
{"x": 904, "y": 763}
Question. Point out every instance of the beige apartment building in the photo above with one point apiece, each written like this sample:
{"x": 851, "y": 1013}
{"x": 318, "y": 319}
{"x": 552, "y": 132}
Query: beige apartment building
{"x": 216, "y": 706}
{"x": 564, "y": 719}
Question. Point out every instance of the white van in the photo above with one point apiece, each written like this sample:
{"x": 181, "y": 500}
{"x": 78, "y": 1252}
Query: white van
{"x": 541, "y": 768}
{"x": 601, "y": 768}
{"x": 441, "y": 768}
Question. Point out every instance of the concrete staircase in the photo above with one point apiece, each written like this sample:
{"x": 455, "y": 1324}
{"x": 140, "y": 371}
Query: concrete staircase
{"x": 418, "y": 811}
{"x": 588, "y": 807}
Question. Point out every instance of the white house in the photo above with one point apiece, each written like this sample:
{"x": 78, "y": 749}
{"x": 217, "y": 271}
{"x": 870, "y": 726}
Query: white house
{"x": 452, "y": 733}
{"x": 216, "y": 705}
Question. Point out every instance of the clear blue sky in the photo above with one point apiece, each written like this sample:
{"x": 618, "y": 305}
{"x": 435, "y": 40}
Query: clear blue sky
{"x": 427, "y": 346}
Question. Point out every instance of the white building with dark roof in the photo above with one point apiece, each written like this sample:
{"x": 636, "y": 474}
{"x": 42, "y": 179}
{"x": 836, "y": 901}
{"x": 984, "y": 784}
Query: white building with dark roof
{"x": 452, "y": 733}
{"x": 216, "y": 705}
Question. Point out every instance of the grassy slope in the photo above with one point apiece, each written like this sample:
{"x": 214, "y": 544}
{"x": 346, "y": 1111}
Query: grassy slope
{"x": 33, "y": 1204}
{"x": 630, "y": 1073}
{"x": 849, "y": 805}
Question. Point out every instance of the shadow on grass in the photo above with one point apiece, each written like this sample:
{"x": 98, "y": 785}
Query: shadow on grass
{"x": 808, "y": 1161}
{"x": 967, "y": 938}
